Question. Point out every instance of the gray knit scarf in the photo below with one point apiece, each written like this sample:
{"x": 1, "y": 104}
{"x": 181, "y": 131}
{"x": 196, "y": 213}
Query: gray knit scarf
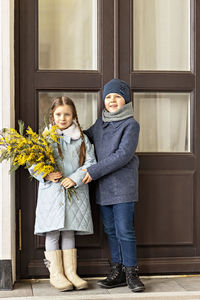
{"x": 126, "y": 111}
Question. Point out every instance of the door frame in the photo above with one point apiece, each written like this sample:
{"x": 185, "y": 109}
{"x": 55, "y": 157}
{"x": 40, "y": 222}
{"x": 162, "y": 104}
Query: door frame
{"x": 117, "y": 62}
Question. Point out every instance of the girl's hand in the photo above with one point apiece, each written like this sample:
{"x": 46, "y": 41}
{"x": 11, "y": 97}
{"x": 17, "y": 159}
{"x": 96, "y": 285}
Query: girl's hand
{"x": 87, "y": 177}
{"x": 67, "y": 182}
{"x": 54, "y": 177}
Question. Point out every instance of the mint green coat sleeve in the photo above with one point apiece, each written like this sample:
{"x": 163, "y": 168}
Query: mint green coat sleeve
{"x": 36, "y": 176}
{"x": 90, "y": 160}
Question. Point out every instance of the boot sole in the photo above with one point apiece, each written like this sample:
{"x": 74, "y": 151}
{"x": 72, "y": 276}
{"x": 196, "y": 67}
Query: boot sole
{"x": 81, "y": 288}
{"x": 137, "y": 290}
{"x": 64, "y": 289}
{"x": 113, "y": 286}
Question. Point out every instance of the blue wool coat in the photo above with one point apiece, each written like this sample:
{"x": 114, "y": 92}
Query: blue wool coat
{"x": 54, "y": 211}
{"x": 116, "y": 170}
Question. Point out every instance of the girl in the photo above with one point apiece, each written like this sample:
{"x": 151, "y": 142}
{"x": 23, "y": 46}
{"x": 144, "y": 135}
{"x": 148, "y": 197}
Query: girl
{"x": 115, "y": 137}
{"x": 55, "y": 215}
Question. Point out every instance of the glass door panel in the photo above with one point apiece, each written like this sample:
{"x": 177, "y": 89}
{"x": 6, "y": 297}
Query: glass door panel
{"x": 67, "y": 33}
{"x": 86, "y": 105}
{"x": 164, "y": 121}
{"x": 161, "y": 35}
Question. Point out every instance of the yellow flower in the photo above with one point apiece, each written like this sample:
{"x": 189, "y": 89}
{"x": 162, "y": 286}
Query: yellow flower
{"x": 31, "y": 149}
{"x": 38, "y": 167}
{"x": 46, "y": 170}
{"x": 9, "y": 148}
{"x": 45, "y": 134}
{"x": 52, "y": 159}
{"x": 20, "y": 160}
{"x": 41, "y": 156}
{"x": 31, "y": 156}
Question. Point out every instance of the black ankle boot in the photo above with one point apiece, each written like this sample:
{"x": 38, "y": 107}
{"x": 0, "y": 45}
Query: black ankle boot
{"x": 117, "y": 277}
{"x": 133, "y": 280}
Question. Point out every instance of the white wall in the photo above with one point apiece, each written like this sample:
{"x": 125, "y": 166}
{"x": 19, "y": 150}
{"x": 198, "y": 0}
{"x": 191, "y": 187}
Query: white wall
{"x": 7, "y": 184}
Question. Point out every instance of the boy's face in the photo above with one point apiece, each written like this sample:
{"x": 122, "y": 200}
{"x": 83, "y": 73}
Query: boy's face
{"x": 113, "y": 102}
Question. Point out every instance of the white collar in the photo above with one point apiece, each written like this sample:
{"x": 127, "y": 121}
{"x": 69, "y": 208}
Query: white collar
{"x": 72, "y": 131}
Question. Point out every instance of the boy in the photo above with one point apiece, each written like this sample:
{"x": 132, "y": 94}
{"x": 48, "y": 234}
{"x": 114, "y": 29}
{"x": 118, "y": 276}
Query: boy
{"x": 115, "y": 137}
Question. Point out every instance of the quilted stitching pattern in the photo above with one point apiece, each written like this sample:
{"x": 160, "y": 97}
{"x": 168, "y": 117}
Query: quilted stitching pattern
{"x": 54, "y": 211}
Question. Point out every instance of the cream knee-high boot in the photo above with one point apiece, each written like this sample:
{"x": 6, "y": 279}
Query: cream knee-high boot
{"x": 55, "y": 266}
{"x": 70, "y": 267}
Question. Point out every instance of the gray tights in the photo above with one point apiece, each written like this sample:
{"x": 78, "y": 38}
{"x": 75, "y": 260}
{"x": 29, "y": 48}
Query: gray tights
{"x": 52, "y": 240}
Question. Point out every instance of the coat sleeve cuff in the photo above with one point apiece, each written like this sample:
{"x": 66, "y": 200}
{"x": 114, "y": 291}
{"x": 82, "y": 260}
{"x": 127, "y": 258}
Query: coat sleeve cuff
{"x": 36, "y": 176}
{"x": 77, "y": 178}
{"x": 92, "y": 170}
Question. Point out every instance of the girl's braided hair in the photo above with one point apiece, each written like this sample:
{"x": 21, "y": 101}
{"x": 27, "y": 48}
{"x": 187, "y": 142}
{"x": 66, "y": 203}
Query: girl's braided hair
{"x": 58, "y": 101}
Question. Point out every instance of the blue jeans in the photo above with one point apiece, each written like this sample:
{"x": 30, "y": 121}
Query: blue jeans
{"x": 118, "y": 220}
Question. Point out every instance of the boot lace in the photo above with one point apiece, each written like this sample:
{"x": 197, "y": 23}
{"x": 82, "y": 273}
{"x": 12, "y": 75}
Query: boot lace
{"x": 132, "y": 273}
{"x": 114, "y": 273}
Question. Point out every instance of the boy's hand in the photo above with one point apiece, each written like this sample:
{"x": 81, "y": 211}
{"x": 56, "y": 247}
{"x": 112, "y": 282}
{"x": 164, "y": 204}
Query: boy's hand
{"x": 54, "y": 177}
{"x": 87, "y": 177}
{"x": 67, "y": 182}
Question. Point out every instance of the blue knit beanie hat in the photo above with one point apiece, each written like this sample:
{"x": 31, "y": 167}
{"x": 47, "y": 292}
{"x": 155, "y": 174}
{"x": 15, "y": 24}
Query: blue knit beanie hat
{"x": 119, "y": 87}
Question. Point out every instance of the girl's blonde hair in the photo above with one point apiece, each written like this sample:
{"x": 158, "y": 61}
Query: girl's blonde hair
{"x": 61, "y": 101}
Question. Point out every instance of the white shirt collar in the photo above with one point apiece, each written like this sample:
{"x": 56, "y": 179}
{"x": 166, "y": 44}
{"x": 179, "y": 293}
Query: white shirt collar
{"x": 72, "y": 131}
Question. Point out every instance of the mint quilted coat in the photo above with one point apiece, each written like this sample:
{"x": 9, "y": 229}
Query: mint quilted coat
{"x": 54, "y": 211}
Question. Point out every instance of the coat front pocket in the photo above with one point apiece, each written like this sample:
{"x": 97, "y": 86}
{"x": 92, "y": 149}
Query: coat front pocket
{"x": 125, "y": 181}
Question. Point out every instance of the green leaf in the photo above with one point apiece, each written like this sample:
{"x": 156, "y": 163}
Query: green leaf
{"x": 5, "y": 130}
{"x": 41, "y": 131}
{"x": 3, "y": 156}
{"x": 46, "y": 120}
{"x": 21, "y": 126}
{"x": 12, "y": 158}
{"x": 31, "y": 178}
{"x": 13, "y": 168}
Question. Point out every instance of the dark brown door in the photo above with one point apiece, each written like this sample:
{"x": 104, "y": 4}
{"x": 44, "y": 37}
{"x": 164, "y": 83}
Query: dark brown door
{"x": 167, "y": 215}
{"x": 159, "y": 56}
{"x": 43, "y": 70}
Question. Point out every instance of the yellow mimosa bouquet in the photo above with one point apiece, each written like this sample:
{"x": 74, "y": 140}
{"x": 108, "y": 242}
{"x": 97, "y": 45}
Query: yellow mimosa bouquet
{"x": 29, "y": 149}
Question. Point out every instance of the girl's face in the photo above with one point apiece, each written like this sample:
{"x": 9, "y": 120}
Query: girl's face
{"x": 113, "y": 102}
{"x": 63, "y": 116}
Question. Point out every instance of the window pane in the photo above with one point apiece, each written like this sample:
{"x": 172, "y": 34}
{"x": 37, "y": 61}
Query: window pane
{"x": 67, "y": 34}
{"x": 86, "y": 105}
{"x": 161, "y": 35}
{"x": 164, "y": 121}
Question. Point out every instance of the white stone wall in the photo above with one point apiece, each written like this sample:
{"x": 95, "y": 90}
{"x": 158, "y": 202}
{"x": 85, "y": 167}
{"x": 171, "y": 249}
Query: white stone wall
{"x": 7, "y": 119}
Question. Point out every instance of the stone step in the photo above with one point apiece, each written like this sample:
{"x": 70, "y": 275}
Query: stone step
{"x": 184, "y": 287}
{"x": 124, "y": 296}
